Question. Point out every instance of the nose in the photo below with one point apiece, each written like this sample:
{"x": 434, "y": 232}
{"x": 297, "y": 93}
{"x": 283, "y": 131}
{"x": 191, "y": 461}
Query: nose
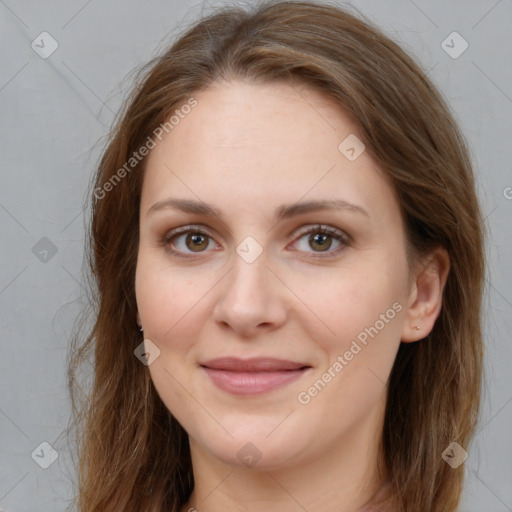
{"x": 251, "y": 299}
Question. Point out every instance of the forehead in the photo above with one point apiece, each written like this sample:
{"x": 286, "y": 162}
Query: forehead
{"x": 288, "y": 120}
{"x": 245, "y": 142}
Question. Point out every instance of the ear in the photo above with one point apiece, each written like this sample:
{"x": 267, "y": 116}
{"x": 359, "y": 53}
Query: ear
{"x": 139, "y": 322}
{"x": 426, "y": 296}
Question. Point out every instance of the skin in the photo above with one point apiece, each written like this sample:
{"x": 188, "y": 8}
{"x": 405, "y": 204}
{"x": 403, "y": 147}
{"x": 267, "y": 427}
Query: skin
{"x": 246, "y": 149}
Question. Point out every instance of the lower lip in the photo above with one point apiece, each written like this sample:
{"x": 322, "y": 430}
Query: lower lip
{"x": 252, "y": 383}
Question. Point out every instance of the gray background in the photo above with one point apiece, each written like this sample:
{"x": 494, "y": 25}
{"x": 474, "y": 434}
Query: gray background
{"x": 54, "y": 113}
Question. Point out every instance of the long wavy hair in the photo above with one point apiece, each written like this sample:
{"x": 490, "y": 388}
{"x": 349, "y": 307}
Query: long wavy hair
{"x": 133, "y": 455}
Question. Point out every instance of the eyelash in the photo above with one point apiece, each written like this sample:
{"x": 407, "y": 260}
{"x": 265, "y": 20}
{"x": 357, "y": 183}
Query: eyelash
{"x": 335, "y": 233}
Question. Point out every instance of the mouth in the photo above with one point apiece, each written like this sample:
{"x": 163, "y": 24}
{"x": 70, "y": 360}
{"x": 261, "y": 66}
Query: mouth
{"x": 253, "y": 376}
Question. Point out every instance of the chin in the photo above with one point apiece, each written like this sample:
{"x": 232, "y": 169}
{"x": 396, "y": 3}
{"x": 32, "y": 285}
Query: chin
{"x": 256, "y": 452}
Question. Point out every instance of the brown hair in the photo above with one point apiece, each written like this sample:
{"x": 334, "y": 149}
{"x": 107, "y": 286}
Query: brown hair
{"x": 133, "y": 454}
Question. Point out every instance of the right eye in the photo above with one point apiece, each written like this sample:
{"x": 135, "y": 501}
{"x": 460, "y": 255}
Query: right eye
{"x": 186, "y": 241}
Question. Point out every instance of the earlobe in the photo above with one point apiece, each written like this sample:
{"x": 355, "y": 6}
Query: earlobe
{"x": 426, "y": 297}
{"x": 139, "y": 322}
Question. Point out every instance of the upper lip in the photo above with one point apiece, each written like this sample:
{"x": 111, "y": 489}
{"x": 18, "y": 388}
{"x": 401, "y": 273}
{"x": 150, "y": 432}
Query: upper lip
{"x": 255, "y": 364}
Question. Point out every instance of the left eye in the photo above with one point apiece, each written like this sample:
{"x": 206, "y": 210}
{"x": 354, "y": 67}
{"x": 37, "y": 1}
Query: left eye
{"x": 321, "y": 239}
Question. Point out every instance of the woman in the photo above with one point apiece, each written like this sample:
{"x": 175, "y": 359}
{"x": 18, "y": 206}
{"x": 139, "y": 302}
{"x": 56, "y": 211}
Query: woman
{"x": 286, "y": 210}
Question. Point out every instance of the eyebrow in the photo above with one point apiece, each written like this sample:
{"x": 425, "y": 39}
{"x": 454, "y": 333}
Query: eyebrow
{"x": 285, "y": 211}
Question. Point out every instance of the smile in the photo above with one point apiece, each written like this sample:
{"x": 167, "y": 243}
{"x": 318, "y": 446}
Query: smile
{"x": 253, "y": 376}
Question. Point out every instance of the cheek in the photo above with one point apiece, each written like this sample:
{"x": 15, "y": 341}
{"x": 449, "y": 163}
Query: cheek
{"x": 365, "y": 315}
{"x": 352, "y": 306}
{"x": 371, "y": 326}
{"x": 170, "y": 310}
{"x": 168, "y": 301}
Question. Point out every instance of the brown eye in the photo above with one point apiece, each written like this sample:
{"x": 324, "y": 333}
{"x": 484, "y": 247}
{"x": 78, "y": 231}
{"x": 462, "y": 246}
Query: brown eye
{"x": 196, "y": 242}
{"x": 186, "y": 241}
{"x": 320, "y": 241}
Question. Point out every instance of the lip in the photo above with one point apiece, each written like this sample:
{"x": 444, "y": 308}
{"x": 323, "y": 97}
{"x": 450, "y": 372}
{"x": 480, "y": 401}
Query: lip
{"x": 253, "y": 376}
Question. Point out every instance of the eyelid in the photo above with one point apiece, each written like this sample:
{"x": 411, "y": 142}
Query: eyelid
{"x": 189, "y": 228}
{"x": 330, "y": 230}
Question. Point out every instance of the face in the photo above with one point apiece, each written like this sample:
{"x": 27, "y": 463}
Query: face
{"x": 227, "y": 268}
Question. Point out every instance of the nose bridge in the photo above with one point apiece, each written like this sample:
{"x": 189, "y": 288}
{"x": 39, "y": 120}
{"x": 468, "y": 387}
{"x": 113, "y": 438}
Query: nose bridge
{"x": 248, "y": 280}
{"x": 249, "y": 297}
{"x": 249, "y": 265}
